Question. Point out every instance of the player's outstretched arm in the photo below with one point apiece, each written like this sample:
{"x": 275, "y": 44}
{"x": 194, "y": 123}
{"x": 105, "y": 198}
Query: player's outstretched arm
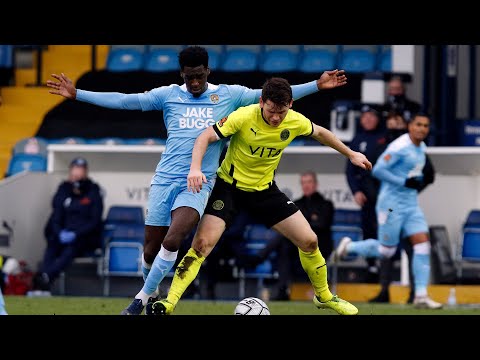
{"x": 113, "y": 100}
{"x": 328, "y": 138}
{"x": 63, "y": 86}
{"x": 331, "y": 79}
{"x": 195, "y": 177}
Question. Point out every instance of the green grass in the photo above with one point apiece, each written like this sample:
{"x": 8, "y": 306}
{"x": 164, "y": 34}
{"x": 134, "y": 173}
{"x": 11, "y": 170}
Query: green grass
{"x": 65, "y": 305}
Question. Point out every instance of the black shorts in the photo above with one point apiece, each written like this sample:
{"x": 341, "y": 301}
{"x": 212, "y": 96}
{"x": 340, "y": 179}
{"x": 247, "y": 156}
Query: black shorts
{"x": 268, "y": 206}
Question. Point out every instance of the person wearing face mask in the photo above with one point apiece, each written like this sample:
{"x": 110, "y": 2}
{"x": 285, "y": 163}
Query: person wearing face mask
{"x": 75, "y": 225}
{"x": 397, "y": 100}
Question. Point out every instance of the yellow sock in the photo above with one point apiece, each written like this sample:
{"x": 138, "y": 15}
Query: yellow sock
{"x": 316, "y": 268}
{"x": 187, "y": 270}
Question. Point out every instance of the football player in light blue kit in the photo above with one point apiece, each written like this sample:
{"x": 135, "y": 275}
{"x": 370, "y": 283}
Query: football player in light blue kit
{"x": 399, "y": 169}
{"x": 173, "y": 212}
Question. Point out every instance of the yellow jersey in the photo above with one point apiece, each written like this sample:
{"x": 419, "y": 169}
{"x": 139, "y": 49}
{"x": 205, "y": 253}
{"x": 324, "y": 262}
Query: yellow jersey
{"x": 256, "y": 147}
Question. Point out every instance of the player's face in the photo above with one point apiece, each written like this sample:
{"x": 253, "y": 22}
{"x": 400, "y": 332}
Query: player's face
{"x": 195, "y": 79}
{"x": 274, "y": 113}
{"x": 419, "y": 128}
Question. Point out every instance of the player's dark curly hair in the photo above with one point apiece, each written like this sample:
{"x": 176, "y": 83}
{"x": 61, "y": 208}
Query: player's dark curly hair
{"x": 193, "y": 56}
{"x": 278, "y": 91}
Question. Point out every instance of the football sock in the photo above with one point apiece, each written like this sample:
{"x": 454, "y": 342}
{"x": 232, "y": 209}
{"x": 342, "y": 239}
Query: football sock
{"x": 365, "y": 248}
{"x": 421, "y": 267}
{"x": 316, "y": 268}
{"x": 187, "y": 270}
{"x": 162, "y": 264}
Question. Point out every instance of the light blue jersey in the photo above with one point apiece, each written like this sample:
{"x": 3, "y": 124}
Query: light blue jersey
{"x": 397, "y": 206}
{"x": 186, "y": 117}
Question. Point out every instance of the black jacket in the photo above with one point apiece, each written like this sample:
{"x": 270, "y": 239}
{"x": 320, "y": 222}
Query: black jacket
{"x": 81, "y": 213}
{"x": 319, "y": 213}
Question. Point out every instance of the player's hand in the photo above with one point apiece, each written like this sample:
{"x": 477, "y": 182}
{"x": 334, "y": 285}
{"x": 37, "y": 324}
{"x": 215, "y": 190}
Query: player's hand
{"x": 360, "y": 160}
{"x": 332, "y": 79}
{"x": 195, "y": 179}
{"x": 415, "y": 182}
{"x": 63, "y": 87}
{"x": 360, "y": 198}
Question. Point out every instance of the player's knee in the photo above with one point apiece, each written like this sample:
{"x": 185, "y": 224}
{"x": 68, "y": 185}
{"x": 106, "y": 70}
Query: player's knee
{"x": 387, "y": 251}
{"x": 422, "y": 248}
{"x": 202, "y": 245}
{"x": 310, "y": 244}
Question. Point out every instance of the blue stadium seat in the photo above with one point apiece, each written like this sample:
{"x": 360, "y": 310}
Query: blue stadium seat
{"x": 6, "y": 56}
{"x": 385, "y": 58}
{"x": 240, "y": 58}
{"x": 318, "y": 58}
{"x": 31, "y": 145}
{"x": 128, "y": 232}
{"x": 346, "y": 222}
{"x": 279, "y": 58}
{"x": 162, "y": 58}
{"x": 256, "y": 237}
{"x": 469, "y": 250}
{"x": 125, "y": 214}
{"x": 26, "y": 162}
{"x": 358, "y": 58}
{"x": 125, "y": 58}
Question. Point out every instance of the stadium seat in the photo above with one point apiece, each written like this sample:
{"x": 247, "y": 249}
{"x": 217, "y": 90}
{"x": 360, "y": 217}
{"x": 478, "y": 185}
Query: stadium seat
{"x": 6, "y": 56}
{"x": 346, "y": 222}
{"x": 240, "y": 58}
{"x": 162, "y": 58}
{"x": 26, "y": 162}
{"x": 256, "y": 237}
{"x": 31, "y": 145}
{"x": 385, "y": 58}
{"x": 125, "y": 214}
{"x": 125, "y": 58}
{"x": 358, "y": 58}
{"x": 123, "y": 253}
{"x": 279, "y": 58}
{"x": 468, "y": 252}
{"x": 318, "y": 58}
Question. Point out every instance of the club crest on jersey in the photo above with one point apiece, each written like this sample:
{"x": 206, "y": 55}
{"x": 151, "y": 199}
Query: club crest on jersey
{"x": 284, "y": 135}
{"x": 214, "y": 98}
{"x": 218, "y": 205}
{"x": 221, "y": 122}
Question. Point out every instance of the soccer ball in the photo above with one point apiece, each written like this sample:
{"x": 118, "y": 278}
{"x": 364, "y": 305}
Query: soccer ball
{"x": 251, "y": 306}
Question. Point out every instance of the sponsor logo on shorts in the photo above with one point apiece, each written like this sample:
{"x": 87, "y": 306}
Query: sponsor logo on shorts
{"x": 218, "y": 205}
{"x": 285, "y": 134}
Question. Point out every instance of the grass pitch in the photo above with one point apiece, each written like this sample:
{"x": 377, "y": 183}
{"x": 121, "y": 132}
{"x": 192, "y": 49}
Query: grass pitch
{"x": 65, "y": 305}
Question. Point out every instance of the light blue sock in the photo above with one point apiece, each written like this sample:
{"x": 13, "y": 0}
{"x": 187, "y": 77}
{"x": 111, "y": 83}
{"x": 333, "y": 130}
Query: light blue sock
{"x": 421, "y": 272}
{"x": 364, "y": 248}
{"x": 2, "y": 304}
{"x": 145, "y": 268}
{"x": 162, "y": 264}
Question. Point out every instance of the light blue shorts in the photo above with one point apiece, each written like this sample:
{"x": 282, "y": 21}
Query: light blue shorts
{"x": 163, "y": 199}
{"x": 399, "y": 222}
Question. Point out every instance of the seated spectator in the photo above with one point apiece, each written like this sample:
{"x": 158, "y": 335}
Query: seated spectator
{"x": 398, "y": 101}
{"x": 75, "y": 225}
